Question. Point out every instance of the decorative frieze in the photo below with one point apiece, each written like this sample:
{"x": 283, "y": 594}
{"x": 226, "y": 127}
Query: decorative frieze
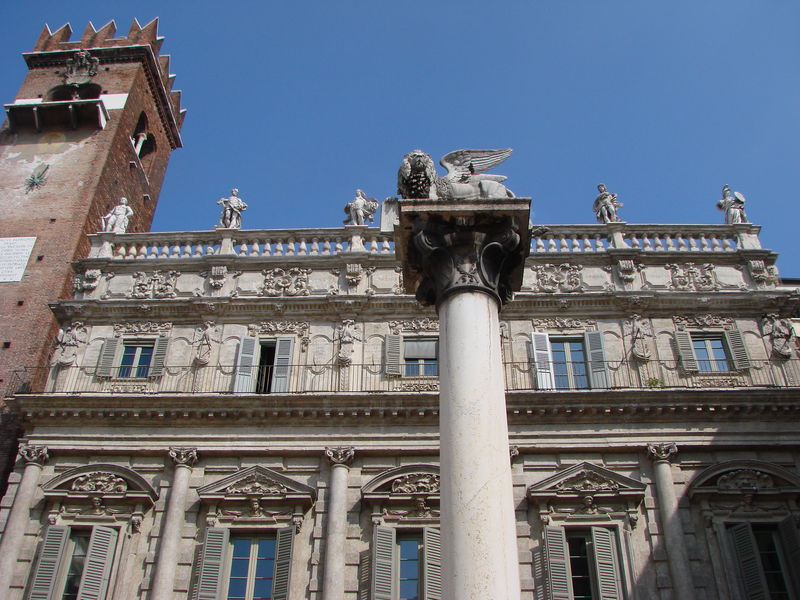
{"x": 256, "y": 484}
{"x": 563, "y": 323}
{"x": 416, "y": 386}
{"x": 285, "y": 282}
{"x": 423, "y": 325}
{"x": 417, "y": 483}
{"x": 162, "y": 329}
{"x": 693, "y": 277}
{"x": 100, "y": 482}
{"x": 702, "y": 321}
{"x": 270, "y": 328}
{"x": 158, "y": 284}
{"x": 558, "y": 278}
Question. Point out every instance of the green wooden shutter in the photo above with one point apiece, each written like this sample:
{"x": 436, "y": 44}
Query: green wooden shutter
{"x": 283, "y": 563}
{"x": 541, "y": 356}
{"x": 212, "y": 563}
{"x": 683, "y": 342}
{"x": 556, "y": 558}
{"x": 282, "y": 366}
{"x": 432, "y": 565}
{"x": 243, "y": 380}
{"x": 99, "y": 560}
{"x": 382, "y": 563}
{"x": 606, "y": 562}
{"x": 44, "y": 577}
{"x": 750, "y": 571}
{"x": 393, "y": 355}
{"x": 735, "y": 341}
{"x": 596, "y": 353}
{"x": 787, "y": 529}
{"x": 159, "y": 357}
{"x": 105, "y": 364}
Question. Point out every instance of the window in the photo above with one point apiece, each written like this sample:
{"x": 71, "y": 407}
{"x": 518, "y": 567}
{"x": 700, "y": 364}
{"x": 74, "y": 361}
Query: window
{"x": 712, "y": 352}
{"x": 132, "y": 358}
{"x": 582, "y": 564}
{"x": 246, "y": 566}
{"x": 273, "y": 371}
{"x": 406, "y": 565}
{"x": 411, "y": 357}
{"x": 569, "y": 362}
{"x": 763, "y": 556}
{"x": 136, "y": 359}
{"x": 74, "y": 563}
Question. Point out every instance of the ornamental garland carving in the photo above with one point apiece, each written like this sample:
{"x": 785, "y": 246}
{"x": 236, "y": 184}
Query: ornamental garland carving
{"x": 285, "y": 282}
{"x": 563, "y": 278}
{"x": 100, "y": 481}
{"x": 158, "y": 284}
{"x": 587, "y": 481}
{"x": 298, "y": 328}
{"x": 683, "y": 322}
{"x": 142, "y": 328}
{"x": 256, "y": 485}
{"x": 693, "y": 277}
{"x": 416, "y": 483}
{"x": 425, "y": 325}
{"x": 564, "y": 323}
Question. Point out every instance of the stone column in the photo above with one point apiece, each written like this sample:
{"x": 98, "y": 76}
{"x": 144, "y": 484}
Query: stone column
{"x": 172, "y": 524}
{"x": 336, "y": 533}
{"x": 679, "y": 569}
{"x": 17, "y": 523}
{"x": 467, "y": 258}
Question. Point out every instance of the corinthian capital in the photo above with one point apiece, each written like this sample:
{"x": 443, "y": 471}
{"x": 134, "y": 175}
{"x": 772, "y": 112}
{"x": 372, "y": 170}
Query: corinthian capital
{"x": 34, "y": 454}
{"x": 664, "y": 451}
{"x": 183, "y": 456}
{"x": 340, "y": 455}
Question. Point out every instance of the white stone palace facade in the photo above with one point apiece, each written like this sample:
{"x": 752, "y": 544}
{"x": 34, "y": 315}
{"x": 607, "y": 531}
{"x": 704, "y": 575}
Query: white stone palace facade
{"x": 254, "y": 414}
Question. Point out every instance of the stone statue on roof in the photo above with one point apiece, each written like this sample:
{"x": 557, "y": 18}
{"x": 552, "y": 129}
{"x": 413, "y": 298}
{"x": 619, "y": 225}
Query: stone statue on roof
{"x": 733, "y": 205}
{"x": 606, "y": 206}
{"x": 360, "y": 209}
{"x": 116, "y": 221}
{"x": 232, "y": 209}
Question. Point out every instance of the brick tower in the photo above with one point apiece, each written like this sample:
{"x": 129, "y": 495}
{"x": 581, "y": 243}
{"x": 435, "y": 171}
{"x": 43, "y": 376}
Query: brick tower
{"x": 94, "y": 120}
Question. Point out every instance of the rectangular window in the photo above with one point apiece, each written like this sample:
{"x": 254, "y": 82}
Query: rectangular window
{"x": 77, "y": 548}
{"x": 421, "y": 357}
{"x": 252, "y": 567}
{"x": 409, "y": 551}
{"x": 263, "y": 366}
{"x": 711, "y": 352}
{"x": 763, "y": 556}
{"x": 136, "y": 359}
{"x": 569, "y": 364}
{"x": 406, "y": 565}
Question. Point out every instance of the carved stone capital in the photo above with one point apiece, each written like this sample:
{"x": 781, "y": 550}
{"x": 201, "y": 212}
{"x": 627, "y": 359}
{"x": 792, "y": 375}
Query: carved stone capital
{"x": 340, "y": 455}
{"x": 183, "y": 456}
{"x": 662, "y": 452}
{"x": 34, "y": 454}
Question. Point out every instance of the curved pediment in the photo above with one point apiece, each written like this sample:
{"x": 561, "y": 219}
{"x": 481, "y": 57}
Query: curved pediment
{"x": 404, "y": 482}
{"x": 745, "y": 477}
{"x": 258, "y": 482}
{"x": 586, "y": 479}
{"x": 106, "y": 480}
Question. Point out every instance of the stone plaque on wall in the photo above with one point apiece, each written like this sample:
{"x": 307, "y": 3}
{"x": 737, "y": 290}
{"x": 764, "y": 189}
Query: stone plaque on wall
{"x": 14, "y": 255}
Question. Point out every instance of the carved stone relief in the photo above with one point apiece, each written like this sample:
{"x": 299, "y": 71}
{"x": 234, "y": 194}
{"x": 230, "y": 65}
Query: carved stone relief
{"x": 258, "y": 485}
{"x": 563, "y": 278}
{"x": 142, "y": 328}
{"x": 298, "y": 328}
{"x": 683, "y": 322}
{"x": 563, "y": 323}
{"x": 204, "y": 338}
{"x": 32, "y": 453}
{"x": 81, "y": 67}
{"x": 640, "y": 333}
{"x": 347, "y": 335}
{"x": 216, "y": 276}
{"x": 417, "y": 483}
{"x": 285, "y": 282}
{"x": 101, "y": 482}
{"x": 627, "y": 269}
{"x": 422, "y": 325}
{"x": 693, "y": 277}
{"x": 780, "y": 335}
{"x": 89, "y": 280}
{"x": 158, "y": 284}
{"x": 67, "y": 341}
{"x": 763, "y": 275}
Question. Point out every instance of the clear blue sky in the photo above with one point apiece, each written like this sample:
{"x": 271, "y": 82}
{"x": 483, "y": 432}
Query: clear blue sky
{"x": 299, "y": 103}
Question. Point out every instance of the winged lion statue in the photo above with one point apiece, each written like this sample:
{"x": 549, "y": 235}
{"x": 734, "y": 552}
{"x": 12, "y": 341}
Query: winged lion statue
{"x": 466, "y": 175}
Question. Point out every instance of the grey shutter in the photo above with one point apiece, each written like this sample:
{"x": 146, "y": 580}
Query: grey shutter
{"x": 159, "y": 357}
{"x": 99, "y": 560}
{"x": 683, "y": 342}
{"x": 383, "y": 550}
{"x": 282, "y": 367}
{"x": 212, "y": 563}
{"x": 556, "y": 558}
{"x": 752, "y": 576}
{"x": 44, "y": 577}
{"x": 606, "y": 562}
{"x": 791, "y": 548}
{"x": 105, "y": 364}
{"x": 741, "y": 359}
{"x": 432, "y": 574}
{"x": 243, "y": 380}
{"x": 283, "y": 563}
{"x": 363, "y": 575}
{"x": 393, "y": 354}
{"x": 541, "y": 355}
{"x": 596, "y": 353}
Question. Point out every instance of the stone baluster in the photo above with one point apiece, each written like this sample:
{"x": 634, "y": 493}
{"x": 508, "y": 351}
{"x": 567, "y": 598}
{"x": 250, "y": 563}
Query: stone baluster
{"x": 10, "y": 544}
{"x": 336, "y": 532}
{"x": 671, "y": 528}
{"x": 172, "y": 524}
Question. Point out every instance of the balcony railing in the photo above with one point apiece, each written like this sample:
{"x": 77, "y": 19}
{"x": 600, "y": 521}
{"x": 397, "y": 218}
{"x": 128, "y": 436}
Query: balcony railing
{"x": 372, "y": 378}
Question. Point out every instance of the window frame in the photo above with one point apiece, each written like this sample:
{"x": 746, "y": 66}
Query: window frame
{"x": 253, "y": 536}
{"x": 421, "y": 363}
{"x": 737, "y": 355}
{"x": 595, "y": 361}
{"x": 712, "y": 363}
{"x": 247, "y": 371}
{"x": 386, "y": 539}
{"x": 570, "y": 365}
{"x": 109, "y": 362}
{"x": 136, "y": 365}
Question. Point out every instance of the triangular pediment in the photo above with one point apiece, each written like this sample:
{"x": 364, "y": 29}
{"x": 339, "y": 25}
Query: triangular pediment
{"x": 586, "y": 479}
{"x": 100, "y": 479}
{"x": 257, "y": 482}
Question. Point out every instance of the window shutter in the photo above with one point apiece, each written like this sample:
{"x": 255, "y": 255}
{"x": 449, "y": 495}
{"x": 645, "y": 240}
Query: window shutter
{"x": 752, "y": 576}
{"x": 393, "y": 354}
{"x": 556, "y": 557}
{"x": 791, "y": 547}
{"x": 44, "y": 578}
{"x": 99, "y": 560}
{"x": 595, "y": 350}
{"x": 159, "y": 357}
{"x": 606, "y": 564}
{"x": 741, "y": 358}
{"x": 363, "y": 575}
{"x": 283, "y": 361}
{"x": 283, "y": 563}
{"x": 105, "y": 364}
{"x": 432, "y": 574}
{"x": 383, "y": 545}
{"x": 212, "y": 563}
{"x": 541, "y": 355}
{"x": 243, "y": 380}
{"x": 683, "y": 342}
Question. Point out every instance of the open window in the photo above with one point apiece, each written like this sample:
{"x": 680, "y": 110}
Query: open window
{"x": 569, "y": 362}
{"x": 263, "y": 366}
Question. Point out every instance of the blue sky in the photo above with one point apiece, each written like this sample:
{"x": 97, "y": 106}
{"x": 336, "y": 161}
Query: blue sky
{"x": 299, "y": 103}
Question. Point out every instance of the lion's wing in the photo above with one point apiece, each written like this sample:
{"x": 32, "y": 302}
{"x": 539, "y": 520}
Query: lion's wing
{"x": 471, "y": 162}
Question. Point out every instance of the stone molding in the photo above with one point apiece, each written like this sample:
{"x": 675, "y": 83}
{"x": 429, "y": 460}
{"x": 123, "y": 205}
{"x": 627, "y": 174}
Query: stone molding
{"x": 162, "y": 329}
{"x": 33, "y": 454}
{"x": 340, "y": 455}
{"x": 185, "y": 457}
{"x": 662, "y": 452}
{"x": 562, "y": 323}
{"x": 702, "y": 321}
{"x": 421, "y": 325}
{"x": 298, "y": 328}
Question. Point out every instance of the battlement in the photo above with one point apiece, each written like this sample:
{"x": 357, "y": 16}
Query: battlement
{"x": 50, "y": 41}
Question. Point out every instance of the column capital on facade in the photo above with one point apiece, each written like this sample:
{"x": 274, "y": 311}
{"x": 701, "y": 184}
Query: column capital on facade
{"x": 186, "y": 457}
{"x": 662, "y": 452}
{"x": 32, "y": 454}
{"x": 340, "y": 455}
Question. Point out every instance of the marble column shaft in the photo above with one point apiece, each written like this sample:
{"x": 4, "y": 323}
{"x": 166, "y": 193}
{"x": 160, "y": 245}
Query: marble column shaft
{"x": 172, "y": 525}
{"x": 336, "y": 532}
{"x": 672, "y": 530}
{"x": 19, "y": 516}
